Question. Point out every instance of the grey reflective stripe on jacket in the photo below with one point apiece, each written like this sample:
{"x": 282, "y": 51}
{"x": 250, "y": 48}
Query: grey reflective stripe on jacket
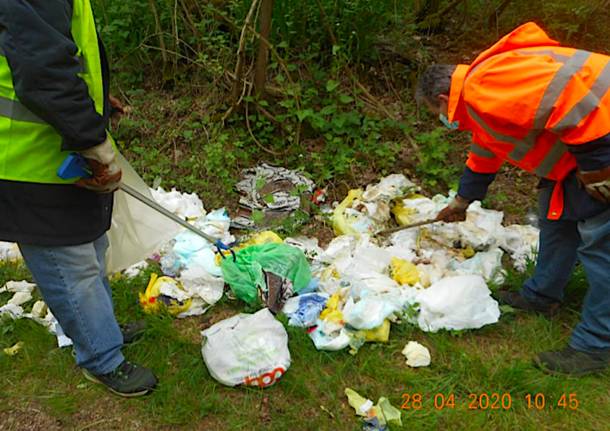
{"x": 481, "y": 152}
{"x": 551, "y": 158}
{"x": 15, "y": 110}
{"x": 551, "y": 95}
{"x": 588, "y": 103}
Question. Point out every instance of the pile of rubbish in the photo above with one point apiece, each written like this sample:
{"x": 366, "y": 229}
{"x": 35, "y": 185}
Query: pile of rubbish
{"x": 345, "y": 295}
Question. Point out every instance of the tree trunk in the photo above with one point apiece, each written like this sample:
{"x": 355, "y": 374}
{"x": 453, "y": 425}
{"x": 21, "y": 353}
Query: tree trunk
{"x": 262, "y": 59}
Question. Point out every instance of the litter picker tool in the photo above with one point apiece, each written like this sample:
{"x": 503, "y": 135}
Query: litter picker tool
{"x": 75, "y": 166}
{"x": 408, "y": 226}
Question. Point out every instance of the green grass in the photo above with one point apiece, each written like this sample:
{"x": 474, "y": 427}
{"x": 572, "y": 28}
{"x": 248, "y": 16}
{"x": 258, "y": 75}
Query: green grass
{"x": 43, "y": 382}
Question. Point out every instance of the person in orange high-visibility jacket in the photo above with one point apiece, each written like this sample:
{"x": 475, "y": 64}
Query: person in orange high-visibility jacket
{"x": 545, "y": 108}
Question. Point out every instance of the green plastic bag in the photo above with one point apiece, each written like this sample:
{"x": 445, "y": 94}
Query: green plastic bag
{"x": 245, "y": 275}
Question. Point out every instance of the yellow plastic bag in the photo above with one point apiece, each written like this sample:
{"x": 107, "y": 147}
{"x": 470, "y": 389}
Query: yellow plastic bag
{"x": 332, "y": 313}
{"x": 152, "y": 300}
{"x": 403, "y": 214}
{"x": 342, "y": 223}
{"x": 380, "y": 334}
{"x": 404, "y": 272}
{"x": 265, "y": 237}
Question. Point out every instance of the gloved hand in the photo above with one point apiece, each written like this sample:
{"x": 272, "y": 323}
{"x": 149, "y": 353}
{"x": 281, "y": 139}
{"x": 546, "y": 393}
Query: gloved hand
{"x": 596, "y": 183}
{"x": 117, "y": 107}
{"x": 106, "y": 173}
{"x": 455, "y": 211}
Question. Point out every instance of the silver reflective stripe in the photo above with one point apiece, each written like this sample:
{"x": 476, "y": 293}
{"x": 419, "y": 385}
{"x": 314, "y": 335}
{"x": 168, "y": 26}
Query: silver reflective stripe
{"x": 555, "y": 56}
{"x": 16, "y": 111}
{"x": 551, "y": 159}
{"x": 481, "y": 152}
{"x": 489, "y": 130}
{"x": 551, "y": 94}
{"x": 588, "y": 103}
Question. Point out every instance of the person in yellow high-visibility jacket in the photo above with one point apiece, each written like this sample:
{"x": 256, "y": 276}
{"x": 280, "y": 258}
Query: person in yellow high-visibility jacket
{"x": 53, "y": 101}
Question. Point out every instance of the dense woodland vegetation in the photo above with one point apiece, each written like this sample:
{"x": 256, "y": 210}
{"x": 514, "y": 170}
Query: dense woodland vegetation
{"x": 320, "y": 85}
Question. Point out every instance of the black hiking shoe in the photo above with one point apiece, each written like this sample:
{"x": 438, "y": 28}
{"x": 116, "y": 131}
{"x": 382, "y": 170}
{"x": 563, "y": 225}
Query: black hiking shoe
{"x": 132, "y": 331}
{"x": 570, "y": 361}
{"x": 127, "y": 380}
{"x": 515, "y": 300}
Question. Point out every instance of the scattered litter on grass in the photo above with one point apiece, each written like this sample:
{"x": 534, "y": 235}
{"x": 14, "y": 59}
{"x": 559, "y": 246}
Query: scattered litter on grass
{"x": 376, "y": 417}
{"x": 416, "y": 354}
{"x": 247, "y": 349}
{"x": 348, "y": 293}
{"x": 13, "y": 350}
{"x": 135, "y": 269}
{"x": 14, "y": 309}
{"x": 272, "y": 192}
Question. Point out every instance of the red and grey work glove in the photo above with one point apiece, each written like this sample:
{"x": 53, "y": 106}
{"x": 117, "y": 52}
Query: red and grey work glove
{"x": 596, "y": 183}
{"x": 106, "y": 174}
{"x": 455, "y": 211}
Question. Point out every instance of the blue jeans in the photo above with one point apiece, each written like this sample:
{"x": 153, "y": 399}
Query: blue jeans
{"x": 73, "y": 283}
{"x": 562, "y": 243}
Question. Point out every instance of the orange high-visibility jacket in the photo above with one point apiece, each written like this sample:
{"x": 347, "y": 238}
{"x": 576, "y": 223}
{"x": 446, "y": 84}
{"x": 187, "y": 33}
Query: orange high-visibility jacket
{"x": 525, "y": 98}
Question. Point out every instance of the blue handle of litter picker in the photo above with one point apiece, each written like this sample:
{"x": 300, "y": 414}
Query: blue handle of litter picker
{"x": 74, "y": 166}
{"x": 221, "y": 245}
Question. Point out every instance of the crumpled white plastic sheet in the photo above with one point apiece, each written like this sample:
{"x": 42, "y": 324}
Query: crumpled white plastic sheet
{"x": 461, "y": 302}
{"x": 9, "y": 251}
{"x": 390, "y": 187}
{"x": 416, "y": 354}
{"x": 184, "y": 205}
{"x": 204, "y": 289}
{"x": 521, "y": 242}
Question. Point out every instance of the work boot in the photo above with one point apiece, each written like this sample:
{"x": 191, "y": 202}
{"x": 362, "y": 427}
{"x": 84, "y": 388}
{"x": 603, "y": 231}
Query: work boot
{"x": 127, "y": 380}
{"x": 572, "y": 362}
{"x": 132, "y": 330}
{"x": 516, "y": 300}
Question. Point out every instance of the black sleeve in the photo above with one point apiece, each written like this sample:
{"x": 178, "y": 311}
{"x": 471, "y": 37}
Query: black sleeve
{"x": 473, "y": 185}
{"x": 37, "y": 41}
{"x": 592, "y": 156}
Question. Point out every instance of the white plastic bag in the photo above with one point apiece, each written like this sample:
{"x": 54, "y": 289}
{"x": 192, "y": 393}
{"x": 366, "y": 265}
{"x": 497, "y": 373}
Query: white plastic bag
{"x": 462, "y": 302}
{"x": 137, "y": 231}
{"x": 248, "y": 349}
